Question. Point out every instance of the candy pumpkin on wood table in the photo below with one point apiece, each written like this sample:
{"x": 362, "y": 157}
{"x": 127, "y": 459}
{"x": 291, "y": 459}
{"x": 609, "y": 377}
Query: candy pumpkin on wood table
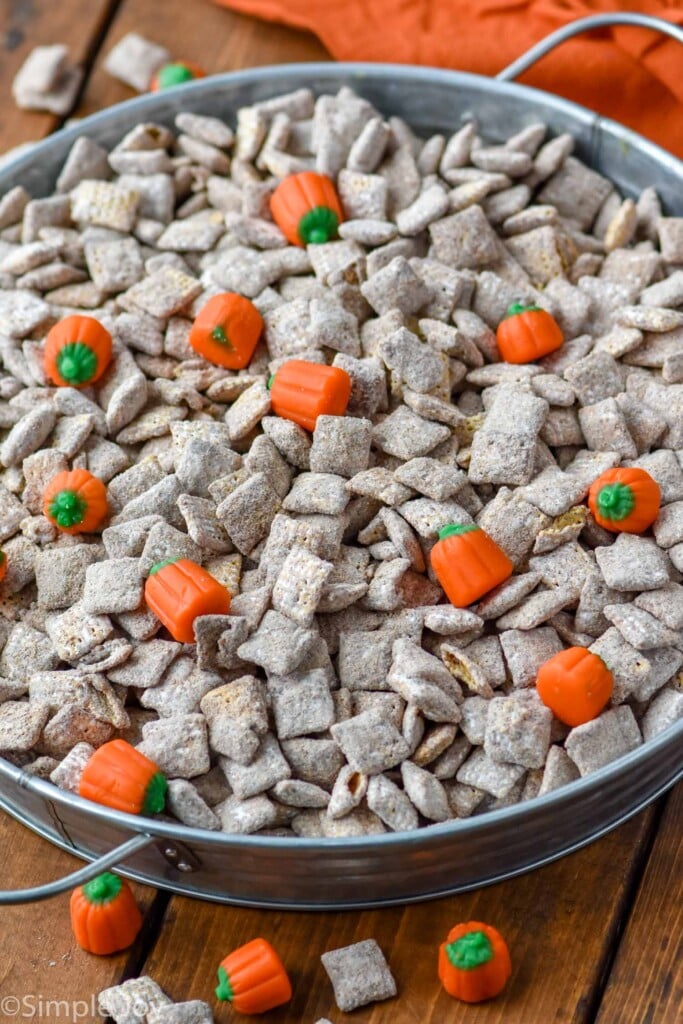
{"x": 104, "y": 915}
{"x": 253, "y": 979}
{"x": 474, "y": 962}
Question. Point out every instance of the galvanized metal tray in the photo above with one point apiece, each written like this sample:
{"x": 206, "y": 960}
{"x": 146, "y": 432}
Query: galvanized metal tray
{"x": 394, "y": 868}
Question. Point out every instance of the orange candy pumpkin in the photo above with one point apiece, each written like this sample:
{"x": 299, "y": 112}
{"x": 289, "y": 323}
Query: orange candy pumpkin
{"x": 302, "y": 391}
{"x": 306, "y": 208}
{"x": 575, "y": 684}
{"x": 625, "y": 500}
{"x": 227, "y": 330}
{"x": 77, "y": 351}
{"x": 75, "y": 501}
{"x": 104, "y": 915}
{"x": 468, "y": 563}
{"x": 119, "y": 776}
{"x": 178, "y": 591}
{"x": 253, "y": 979}
{"x": 527, "y": 333}
{"x": 474, "y": 962}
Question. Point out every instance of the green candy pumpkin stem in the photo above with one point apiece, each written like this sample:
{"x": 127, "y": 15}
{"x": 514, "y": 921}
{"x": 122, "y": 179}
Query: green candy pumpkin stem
{"x": 224, "y": 989}
{"x": 158, "y": 566}
{"x": 615, "y": 501}
{"x": 68, "y": 509}
{"x": 174, "y": 74}
{"x": 455, "y": 529}
{"x": 470, "y": 951}
{"x": 218, "y": 334}
{"x": 318, "y": 225}
{"x": 77, "y": 363}
{"x": 102, "y": 889}
{"x": 155, "y": 795}
{"x": 519, "y": 307}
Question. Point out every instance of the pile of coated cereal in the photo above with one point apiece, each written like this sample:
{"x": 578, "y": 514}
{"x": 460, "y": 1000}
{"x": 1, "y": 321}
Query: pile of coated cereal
{"x": 343, "y": 694}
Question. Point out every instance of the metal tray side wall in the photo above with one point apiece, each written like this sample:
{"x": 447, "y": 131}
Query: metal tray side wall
{"x": 449, "y": 858}
{"x": 301, "y": 874}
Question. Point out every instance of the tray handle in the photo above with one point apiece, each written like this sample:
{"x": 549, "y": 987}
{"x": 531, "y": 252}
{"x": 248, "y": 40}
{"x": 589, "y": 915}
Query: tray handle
{"x": 60, "y": 885}
{"x": 575, "y": 28}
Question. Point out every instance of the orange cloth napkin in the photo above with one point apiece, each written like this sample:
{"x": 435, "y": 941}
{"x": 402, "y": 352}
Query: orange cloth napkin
{"x": 630, "y": 74}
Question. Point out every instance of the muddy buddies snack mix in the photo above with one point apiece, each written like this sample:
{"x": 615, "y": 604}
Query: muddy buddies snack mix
{"x": 336, "y": 690}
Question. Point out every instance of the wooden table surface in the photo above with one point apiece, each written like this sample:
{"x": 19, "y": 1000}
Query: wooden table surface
{"x": 596, "y": 938}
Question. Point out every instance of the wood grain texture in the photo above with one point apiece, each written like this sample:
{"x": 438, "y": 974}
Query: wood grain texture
{"x": 197, "y": 30}
{"x": 559, "y": 923}
{"x": 646, "y": 983}
{"x": 25, "y": 24}
{"x": 39, "y": 959}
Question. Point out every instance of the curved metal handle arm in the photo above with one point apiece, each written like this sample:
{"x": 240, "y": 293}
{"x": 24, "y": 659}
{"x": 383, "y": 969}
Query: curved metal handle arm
{"x": 575, "y": 28}
{"x": 107, "y": 860}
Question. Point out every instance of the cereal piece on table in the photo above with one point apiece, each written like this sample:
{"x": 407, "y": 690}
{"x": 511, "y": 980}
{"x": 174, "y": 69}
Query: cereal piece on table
{"x": 395, "y": 286}
{"x": 491, "y": 776}
{"x": 75, "y": 632}
{"x": 146, "y": 665}
{"x": 247, "y": 816}
{"x": 45, "y": 81}
{"x": 60, "y": 575}
{"x": 301, "y": 705}
{"x": 134, "y": 60}
{"x": 278, "y": 645}
{"x": 595, "y": 744}
{"x": 526, "y": 650}
{"x": 633, "y": 563}
{"x": 248, "y": 512}
{"x": 425, "y": 792}
{"x": 112, "y": 586}
{"x": 21, "y": 725}
{"x": 318, "y": 491}
{"x": 370, "y": 744}
{"x": 132, "y": 1001}
{"x": 359, "y": 974}
{"x": 178, "y": 746}
{"x": 192, "y": 1012}
{"x": 299, "y": 585}
{"x": 67, "y": 774}
{"x": 518, "y": 731}
{"x": 664, "y": 711}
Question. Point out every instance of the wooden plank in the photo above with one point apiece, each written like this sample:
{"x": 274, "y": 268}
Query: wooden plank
{"x": 40, "y": 960}
{"x": 211, "y": 36}
{"x": 23, "y": 25}
{"x": 646, "y": 984}
{"x": 559, "y": 923}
